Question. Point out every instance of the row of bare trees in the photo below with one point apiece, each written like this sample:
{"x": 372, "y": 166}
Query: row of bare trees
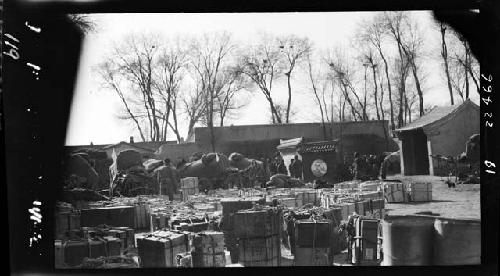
{"x": 164, "y": 84}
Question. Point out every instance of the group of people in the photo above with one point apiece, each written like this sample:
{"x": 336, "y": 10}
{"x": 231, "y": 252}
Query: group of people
{"x": 277, "y": 166}
{"x": 368, "y": 167}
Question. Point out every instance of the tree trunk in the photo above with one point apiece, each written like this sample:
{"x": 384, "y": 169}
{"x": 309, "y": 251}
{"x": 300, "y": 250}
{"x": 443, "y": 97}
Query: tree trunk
{"x": 386, "y": 68}
{"x": 375, "y": 93}
{"x": 467, "y": 63}
{"x": 381, "y": 99}
{"x": 288, "y": 76}
{"x": 444, "y": 55}
{"x": 419, "y": 90}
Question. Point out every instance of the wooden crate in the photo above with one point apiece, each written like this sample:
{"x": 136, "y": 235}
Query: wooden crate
{"x": 305, "y": 256}
{"x": 161, "y": 248}
{"x": 264, "y": 251}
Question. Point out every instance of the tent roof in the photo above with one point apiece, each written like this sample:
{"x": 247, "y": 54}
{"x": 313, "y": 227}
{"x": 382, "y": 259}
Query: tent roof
{"x": 437, "y": 115}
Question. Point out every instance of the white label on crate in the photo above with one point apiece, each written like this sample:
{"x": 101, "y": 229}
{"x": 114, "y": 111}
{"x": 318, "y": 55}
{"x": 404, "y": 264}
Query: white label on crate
{"x": 368, "y": 253}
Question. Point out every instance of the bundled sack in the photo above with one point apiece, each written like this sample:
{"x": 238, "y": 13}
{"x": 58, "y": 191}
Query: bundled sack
{"x": 86, "y": 175}
{"x": 152, "y": 164}
{"x": 127, "y": 159}
{"x": 133, "y": 184}
{"x": 283, "y": 181}
{"x": 211, "y": 165}
{"x": 238, "y": 161}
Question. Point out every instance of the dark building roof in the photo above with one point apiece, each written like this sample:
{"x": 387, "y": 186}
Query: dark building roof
{"x": 134, "y": 145}
{"x": 316, "y": 147}
{"x": 437, "y": 115}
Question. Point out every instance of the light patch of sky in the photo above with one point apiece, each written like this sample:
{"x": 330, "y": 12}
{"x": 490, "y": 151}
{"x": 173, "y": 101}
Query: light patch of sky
{"x": 94, "y": 110}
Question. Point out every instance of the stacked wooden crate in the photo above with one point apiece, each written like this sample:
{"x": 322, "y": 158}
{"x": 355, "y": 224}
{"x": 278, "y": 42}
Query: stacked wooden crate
{"x": 258, "y": 234}
{"x": 348, "y": 208}
{"x": 307, "y": 196}
{"x": 395, "y": 192}
{"x": 313, "y": 243}
{"x": 113, "y": 216}
{"x": 65, "y": 222}
{"x": 189, "y": 186}
{"x": 351, "y": 185}
{"x": 71, "y": 253}
{"x": 230, "y": 206}
{"x": 160, "y": 248}
{"x": 208, "y": 249}
{"x": 419, "y": 191}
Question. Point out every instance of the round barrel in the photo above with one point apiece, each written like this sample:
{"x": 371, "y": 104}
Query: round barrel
{"x": 457, "y": 242}
{"x": 407, "y": 240}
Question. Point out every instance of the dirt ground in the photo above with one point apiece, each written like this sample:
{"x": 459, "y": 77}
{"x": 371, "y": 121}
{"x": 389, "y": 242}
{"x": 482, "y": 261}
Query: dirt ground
{"x": 461, "y": 202}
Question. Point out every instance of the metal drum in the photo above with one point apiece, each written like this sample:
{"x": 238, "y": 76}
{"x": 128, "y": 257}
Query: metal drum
{"x": 457, "y": 242}
{"x": 407, "y": 240}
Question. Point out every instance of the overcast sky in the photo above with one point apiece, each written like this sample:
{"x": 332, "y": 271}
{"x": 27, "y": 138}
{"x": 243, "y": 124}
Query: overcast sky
{"x": 94, "y": 110}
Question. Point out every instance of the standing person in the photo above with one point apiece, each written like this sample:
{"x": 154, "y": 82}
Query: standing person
{"x": 291, "y": 168}
{"x": 282, "y": 167}
{"x": 296, "y": 167}
{"x": 356, "y": 166}
{"x": 167, "y": 179}
{"x": 273, "y": 167}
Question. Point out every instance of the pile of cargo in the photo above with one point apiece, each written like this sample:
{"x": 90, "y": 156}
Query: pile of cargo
{"x": 92, "y": 242}
{"x": 245, "y": 227}
{"x": 160, "y": 248}
{"x": 208, "y": 250}
{"x": 257, "y": 232}
{"x": 229, "y": 207}
{"x": 189, "y": 186}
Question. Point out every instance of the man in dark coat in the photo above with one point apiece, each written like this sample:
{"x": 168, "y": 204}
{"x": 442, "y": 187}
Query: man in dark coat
{"x": 296, "y": 167}
{"x": 167, "y": 179}
{"x": 281, "y": 167}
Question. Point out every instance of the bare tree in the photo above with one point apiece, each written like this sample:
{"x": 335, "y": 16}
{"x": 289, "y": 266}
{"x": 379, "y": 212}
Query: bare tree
{"x": 171, "y": 69}
{"x": 262, "y": 64}
{"x": 293, "y": 49}
{"x": 344, "y": 74}
{"x": 464, "y": 59}
{"x": 394, "y": 22}
{"x": 130, "y": 70}
{"x": 231, "y": 84}
{"x": 83, "y": 22}
{"x": 319, "y": 92}
{"x": 109, "y": 74}
{"x": 413, "y": 52}
{"x": 374, "y": 32}
{"x": 209, "y": 56}
{"x": 194, "y": 106}
{"x": 444, "y": 55}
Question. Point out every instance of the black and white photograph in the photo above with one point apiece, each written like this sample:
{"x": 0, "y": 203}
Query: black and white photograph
{"x": 266, "y": 139}
{"x": 257, "y": 139}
